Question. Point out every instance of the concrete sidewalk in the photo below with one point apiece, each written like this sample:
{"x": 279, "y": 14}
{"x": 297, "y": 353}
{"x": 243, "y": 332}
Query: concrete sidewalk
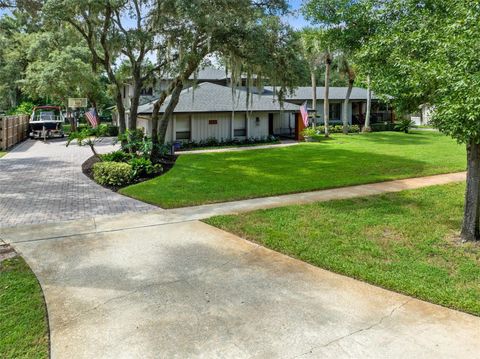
{"x": 160, "y": 216}
{"x": 188, "y": 290}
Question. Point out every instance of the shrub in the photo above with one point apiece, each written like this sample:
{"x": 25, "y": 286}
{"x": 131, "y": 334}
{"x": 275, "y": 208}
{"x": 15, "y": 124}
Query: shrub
{"x": 143, "y": 167}
{"x": 25, "y": 108}
{"x": 112, "y": 173}
{"x": 354, "y": 129}
{"x": 405, "y": 125}
{"x": 116, "y": 156}
{"x": 378, "y": 127}
{"x": 310, "y": 132}
{"x": 213, "y": 142}
{"x": 112, "y": 130}
{"x": 134, "y": 141}
{"x": 339, "y": 129}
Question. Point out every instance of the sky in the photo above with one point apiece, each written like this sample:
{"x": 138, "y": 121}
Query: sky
{"x": 295, "y": 19}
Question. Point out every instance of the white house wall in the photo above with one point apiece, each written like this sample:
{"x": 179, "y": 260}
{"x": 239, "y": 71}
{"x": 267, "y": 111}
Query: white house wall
{"x": 258, "y": 128}
{"x": 203, "y": 129}
{"x": 202, "y": 126}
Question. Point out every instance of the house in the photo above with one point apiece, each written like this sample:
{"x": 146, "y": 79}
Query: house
{"x": 424, "y": 115}
{"x": 357, "y": 107}
{"x": 212, "y": 110}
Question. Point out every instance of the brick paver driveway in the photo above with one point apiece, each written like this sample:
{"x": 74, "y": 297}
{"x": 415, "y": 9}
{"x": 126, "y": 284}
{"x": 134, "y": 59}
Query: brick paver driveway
{"x": 43, "y": 182}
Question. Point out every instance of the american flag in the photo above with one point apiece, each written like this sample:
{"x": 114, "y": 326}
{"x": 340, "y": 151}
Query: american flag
{"x": 304, "y": 113}
{"x": 92, "y": 117}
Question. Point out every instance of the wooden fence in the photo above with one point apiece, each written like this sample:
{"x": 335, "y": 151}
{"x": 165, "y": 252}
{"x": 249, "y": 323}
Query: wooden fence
{"x": 13, "y": 129}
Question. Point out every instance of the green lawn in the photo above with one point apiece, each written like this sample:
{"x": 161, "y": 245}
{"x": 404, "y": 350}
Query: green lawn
{"x": 23, "y": 323}
{"x": 406, "y": 241}
{"x": 2, "y": 153}
{"x": 342, "y": 161}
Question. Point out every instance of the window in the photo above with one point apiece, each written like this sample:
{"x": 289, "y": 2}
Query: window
{"x": 212, "y": 122}
{"x": 240, "y": 127}
{"x": 241, "y": 132}
{"x": 147, "y": 91}
{"x": 335, "y": 111}
{"x": 182, "y": 128}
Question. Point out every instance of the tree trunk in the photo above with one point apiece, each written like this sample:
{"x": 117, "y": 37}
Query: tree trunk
{"x": 132, "y": 123}
{"x": 137, "y": 89}
{"x": 162, "y": 131}
{"x": 314, "y": 97}
{"x": 92, "y": 147}
{"x": 366, "y": 127}
{"x": 120, "y": 112}
{"x": 345, "y": 106}
{"x": 326, "y": 101}
{"x": 470, "y": 228}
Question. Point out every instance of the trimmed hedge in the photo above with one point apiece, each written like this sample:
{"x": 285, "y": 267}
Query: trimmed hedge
{"x": 115, "y": 174}
{"x": 378, "y": 127}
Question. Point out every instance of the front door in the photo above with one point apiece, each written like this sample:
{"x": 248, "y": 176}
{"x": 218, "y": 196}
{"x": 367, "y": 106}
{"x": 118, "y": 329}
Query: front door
{"x": 270, "y": 124}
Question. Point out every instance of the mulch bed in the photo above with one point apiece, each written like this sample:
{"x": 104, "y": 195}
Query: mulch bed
{"x": 167, "y": 163}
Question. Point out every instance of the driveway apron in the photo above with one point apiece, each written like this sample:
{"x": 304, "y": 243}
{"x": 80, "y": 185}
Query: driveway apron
{"x": 189, "y": 290}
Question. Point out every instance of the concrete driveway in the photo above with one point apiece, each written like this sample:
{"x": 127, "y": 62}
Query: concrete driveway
{"x": 43, "y": 182}
{"x": 188, "y": 290}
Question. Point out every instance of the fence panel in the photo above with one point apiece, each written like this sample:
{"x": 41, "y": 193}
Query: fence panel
{"x": 13, "y": 129}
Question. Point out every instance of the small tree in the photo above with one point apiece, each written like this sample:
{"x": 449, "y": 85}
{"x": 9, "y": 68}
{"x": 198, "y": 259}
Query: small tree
{"x": 429, "y": 54}
{"x": 88, "y": 137}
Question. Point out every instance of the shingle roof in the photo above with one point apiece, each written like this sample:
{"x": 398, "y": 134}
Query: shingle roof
{"x": 209, "y": 97}
{"x": 206, "y": 74}
{"x": 335, "y": 93}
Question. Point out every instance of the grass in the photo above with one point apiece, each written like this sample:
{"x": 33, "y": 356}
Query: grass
{"x": 342, "y": 161}
{"x": 2, "y": 153}
{"x": 406, "y": 242}
{"x": 23, "y": 323}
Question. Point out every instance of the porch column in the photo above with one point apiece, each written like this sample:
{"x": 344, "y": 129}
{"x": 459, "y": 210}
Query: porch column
{"x": 247, "y": 125}
{"x": 174, "y": 131}
{"x": 232, "y": 130}
{"x": 191, "y": 127}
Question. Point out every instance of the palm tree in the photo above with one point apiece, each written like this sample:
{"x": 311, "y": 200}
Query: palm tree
{"x": 366, "y": 127}
{"x": 346, "y": 69}
{"x": 316, "y": 53}
{"x": 310, "y": 49}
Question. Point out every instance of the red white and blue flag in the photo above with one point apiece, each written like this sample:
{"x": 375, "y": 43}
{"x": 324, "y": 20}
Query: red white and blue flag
{"x": 304, "y": 113}
{"x": 92, "y": 117}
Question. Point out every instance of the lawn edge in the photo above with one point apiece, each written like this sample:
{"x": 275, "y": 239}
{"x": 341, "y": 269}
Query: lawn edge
{"x": 205, "y": 221}
{"x": 280, "y": 194}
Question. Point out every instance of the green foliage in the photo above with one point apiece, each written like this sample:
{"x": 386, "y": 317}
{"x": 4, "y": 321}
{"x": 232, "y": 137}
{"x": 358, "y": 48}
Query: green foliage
{"x": 114, "y": 174}
{"x": 378, "y": 156}
{"x": 310, "y": 131}
{"x": 23, "y": 316}
{"x": 116, "y": 156}
{"x": 142, "y": 167}
{"x": 339, "y": 129}
{"x": 135, "y": 142}
{"x": 429, "y": 55}
{"x": 214, "y": 142}
{"x": 378, "y": 127}
{"x": 25, "y": 108}
{"x": 88, "y": 136}
{"x": 405, "y": 125}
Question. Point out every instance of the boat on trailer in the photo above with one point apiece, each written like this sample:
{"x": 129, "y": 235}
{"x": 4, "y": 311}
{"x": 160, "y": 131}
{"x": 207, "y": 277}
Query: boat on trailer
{"x": 46, "y": 122}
